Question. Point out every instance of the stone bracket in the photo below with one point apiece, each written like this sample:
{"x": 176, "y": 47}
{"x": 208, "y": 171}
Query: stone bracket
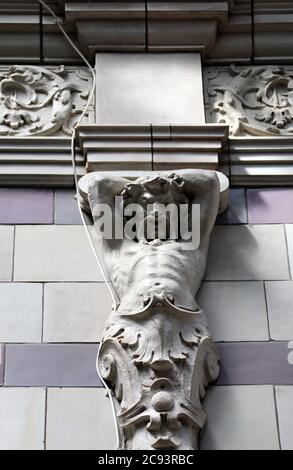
{"x": 131, "y": 149}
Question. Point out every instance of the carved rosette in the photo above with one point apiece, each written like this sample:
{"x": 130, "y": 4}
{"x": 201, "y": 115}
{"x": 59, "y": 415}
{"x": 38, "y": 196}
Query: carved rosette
{"x": 37, "y": 101}
{"x": 252, "y": 101}
{"x": 159, "y": 361}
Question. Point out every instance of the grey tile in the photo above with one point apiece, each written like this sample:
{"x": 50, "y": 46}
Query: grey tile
{"x": 247, "y": 252}
{"x": 6, "y": 252}
{"x": 22, "y": 422}
{"x": 52, "y": 365}
{"x": 289, "y": 234}
{"x": 54, "y": 253}
{"x": 66, "y": 208}
{"x": 79, "y": 419}
{"x": 280, "y": 309}
{"x": 236, "y": 212}
{"x": 2, "y": 359}
{"x": 255, "y": 364}
{"x": 236, "y": 311}
{"x": 75, "y": 312}
{"x": 20, "y": 312}
{"x": 149, "y": 88}
{"x": 240, "y": 418}
{"x": 284, "y": 397}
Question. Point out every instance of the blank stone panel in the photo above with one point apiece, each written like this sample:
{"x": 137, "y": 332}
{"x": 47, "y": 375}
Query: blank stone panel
{"x": 75, "y": 312}
{"x": 280, "y": 309}
{"x": 6, "y": 253}
{"x": 289, "y": 234}
{"x": 20, "y": 312}
{"x": 149, "y": 88}
{"x": 236, "y": 311}
{"x": 284, "y": 396}
{"x": 54, "y": 253}
{"x": 22, "y": 423}
{"x": 79, "y": 419}
{"x": 247, "y": 252}
{"x": 240, "y": 418}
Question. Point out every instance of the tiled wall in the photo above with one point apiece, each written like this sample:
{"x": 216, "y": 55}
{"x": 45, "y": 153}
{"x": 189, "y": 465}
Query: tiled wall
{"x": 53, "y": 304}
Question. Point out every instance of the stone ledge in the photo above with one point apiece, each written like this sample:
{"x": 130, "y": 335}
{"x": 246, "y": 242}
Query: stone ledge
{"x": 133, "y": 148}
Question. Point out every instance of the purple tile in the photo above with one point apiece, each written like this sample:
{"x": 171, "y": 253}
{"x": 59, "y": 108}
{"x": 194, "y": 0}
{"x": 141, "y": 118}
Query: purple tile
{"x": 270, "y": 206}
{"x": 26, "y": 206}
{"x": 236, "y": 212}
{"x": 52, "y": 365}
{"x": 1, "y": 364}
{"x": 255, "y": 364}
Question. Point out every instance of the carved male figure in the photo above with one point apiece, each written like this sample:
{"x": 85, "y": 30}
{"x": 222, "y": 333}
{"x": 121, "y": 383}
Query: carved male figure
{"x": 156, "y": 349}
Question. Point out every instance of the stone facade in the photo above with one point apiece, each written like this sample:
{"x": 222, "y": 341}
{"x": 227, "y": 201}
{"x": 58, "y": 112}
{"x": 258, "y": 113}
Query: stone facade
{"x": 167, "y": 99}
{"x": 249, "y": 314}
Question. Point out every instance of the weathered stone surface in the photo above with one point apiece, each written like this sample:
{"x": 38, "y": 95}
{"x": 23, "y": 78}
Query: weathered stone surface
{"x": 41, "y": 101}
{"x": 75, "y": 312}
{"x": 160, "y": 369}
{"x": 289, "y": 235}
{"x": 2, "y": 359}
{"x": 22, "y": 423}
{"x": 280, "y": 309}
{"x": 236, "y": 311}
{"x": 52, "y": 365}
{"x": 284, "y": 397}
{"x": 20, "y": 312}
{"x": 54, "y": 253}
{"x": 250, "y": 99}
{"x": 79, "y": 419}
{"x": 244, "y": 252}
{"x": 240, "y": 418}
{"x": 6, "y": 252}
{"x": 149, "y": 88}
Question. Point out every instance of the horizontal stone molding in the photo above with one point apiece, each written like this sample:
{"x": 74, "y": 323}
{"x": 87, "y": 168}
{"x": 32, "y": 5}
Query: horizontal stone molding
{"x": 259, "y": 161}
{"x": 37, "y": 161}
{"x": 220, "y": 30}
{"x": 131, "y": 148}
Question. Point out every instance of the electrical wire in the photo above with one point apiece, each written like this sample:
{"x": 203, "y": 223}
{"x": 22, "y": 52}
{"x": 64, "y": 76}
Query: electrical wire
{"x": 59, "y": 22}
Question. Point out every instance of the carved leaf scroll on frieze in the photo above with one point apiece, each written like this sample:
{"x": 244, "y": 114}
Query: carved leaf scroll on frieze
{"x": 255, "y": 100}
{"x": 38, "y": 101}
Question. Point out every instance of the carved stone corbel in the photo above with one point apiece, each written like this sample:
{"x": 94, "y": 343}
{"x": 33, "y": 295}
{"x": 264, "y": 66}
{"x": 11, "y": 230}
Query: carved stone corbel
{"x": 156, "y": 351}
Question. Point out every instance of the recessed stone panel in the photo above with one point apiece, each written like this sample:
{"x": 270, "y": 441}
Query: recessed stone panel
{"x": 149, "y": 88}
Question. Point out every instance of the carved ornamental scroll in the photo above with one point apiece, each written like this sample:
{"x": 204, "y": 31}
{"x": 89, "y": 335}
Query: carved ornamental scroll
{"x": 38, "y": 101}
{"x": 251, "y": 100}
{"x": 157, "y": 352}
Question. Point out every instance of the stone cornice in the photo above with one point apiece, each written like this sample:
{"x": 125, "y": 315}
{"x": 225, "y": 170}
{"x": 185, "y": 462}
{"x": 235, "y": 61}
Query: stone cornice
{"x": 220, "y": 30}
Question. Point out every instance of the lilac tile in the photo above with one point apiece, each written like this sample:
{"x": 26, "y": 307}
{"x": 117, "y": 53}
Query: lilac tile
{"x": 270, "y": 206}
{"x": 1, "y": 364}
{"x": 52, "y": 365}
{"x": 26, "y": 206}
{"x": 236, "y": 212}
{"x": 255, "y": 364}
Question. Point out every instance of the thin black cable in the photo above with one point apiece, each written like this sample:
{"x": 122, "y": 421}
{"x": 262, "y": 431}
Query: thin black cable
{"x": 252, "y": 13}
{"x": 41, "y": 34}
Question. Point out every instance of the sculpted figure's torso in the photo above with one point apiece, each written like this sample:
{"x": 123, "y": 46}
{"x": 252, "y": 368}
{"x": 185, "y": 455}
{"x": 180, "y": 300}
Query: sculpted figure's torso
{"x": 141, "y": 268}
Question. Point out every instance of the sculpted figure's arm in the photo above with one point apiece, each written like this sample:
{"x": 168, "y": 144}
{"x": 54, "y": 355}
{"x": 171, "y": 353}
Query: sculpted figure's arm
{"x": 209, "y": 189}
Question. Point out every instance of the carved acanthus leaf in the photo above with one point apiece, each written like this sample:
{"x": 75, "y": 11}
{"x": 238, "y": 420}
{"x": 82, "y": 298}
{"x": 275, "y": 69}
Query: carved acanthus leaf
{"x": 255, "y": 100}
{"x": 40, "y": 101}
